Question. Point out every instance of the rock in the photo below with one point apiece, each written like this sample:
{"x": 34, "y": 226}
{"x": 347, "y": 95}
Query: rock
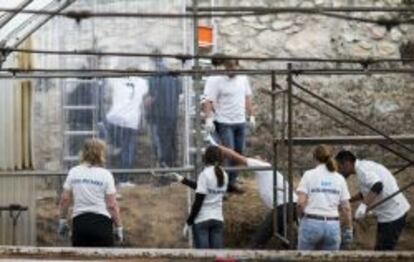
{"x": 280, "y": 25}
{"x": 365, "y": 45}
{"x": 378, "y": 32}
{"x": 386, "y": 106}
{"x": 386, "y": 49}
{"x": 309, "y": 42}
{"x": 358, "y": 51}
{"x": 396, "y": 35}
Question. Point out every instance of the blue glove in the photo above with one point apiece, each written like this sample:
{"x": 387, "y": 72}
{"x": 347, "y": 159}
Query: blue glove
{"x": 347, "y": 238}
{"x": 63, "y": 228}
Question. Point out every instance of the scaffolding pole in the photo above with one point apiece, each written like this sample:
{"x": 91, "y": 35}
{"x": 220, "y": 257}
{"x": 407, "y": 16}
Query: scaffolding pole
{"x": 359, "y": 121}
{"x": 290, "y": 155}
{"x": 274, "y": 156}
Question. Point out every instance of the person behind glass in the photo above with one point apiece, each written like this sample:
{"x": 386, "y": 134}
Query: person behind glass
{"x": 91, "y": 189}
{"x": 321, "y": 192}
{"x": 206, "y": 216}
{"x": 227, "y": 101}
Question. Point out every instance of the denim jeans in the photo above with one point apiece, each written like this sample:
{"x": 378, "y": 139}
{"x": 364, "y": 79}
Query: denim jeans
{"x": 319, "y": 234}
{"x": 232, "y": 136}
{"x": 389, "y": 233}
{"x": 124, "y": 139}
{"x": 208, "y": 234}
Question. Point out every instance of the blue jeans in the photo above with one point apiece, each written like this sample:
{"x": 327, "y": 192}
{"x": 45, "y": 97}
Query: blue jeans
{"x": 125, "y": 139}
{"x": 319, "y": 234}
{"x": 232, "y": 136}
{"x": 208, "y": 234}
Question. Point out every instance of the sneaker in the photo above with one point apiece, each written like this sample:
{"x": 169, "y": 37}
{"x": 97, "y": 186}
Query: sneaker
{"x": 210, "y": 139}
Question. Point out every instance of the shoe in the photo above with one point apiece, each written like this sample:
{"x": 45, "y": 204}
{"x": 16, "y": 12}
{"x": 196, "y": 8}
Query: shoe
{"x": 209, "y": 139}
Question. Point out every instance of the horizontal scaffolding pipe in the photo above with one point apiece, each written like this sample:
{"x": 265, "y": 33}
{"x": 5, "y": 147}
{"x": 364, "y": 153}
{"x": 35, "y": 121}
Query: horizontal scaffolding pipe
{"x": 149, "y": 171}
{"x": 110, "y": 73}
{"x": 121, "y": 254}
{"x": 186, "y": 57}
{"x": 345, "y": 9}
{"x": 351, "y": 116}
{"x": 350, "y": 140}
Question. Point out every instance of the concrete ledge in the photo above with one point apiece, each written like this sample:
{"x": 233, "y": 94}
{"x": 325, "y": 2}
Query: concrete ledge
{"x": 67, "y": 253}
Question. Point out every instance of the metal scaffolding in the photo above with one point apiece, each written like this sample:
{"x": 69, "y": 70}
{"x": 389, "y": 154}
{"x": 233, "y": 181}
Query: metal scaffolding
{"x": 288, "y": 95}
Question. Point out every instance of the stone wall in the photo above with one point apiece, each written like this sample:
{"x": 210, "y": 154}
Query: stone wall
{"x": 384, "y": 101}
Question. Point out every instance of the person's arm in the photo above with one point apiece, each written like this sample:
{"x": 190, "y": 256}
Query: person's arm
{"x": 190, "y": 183}
{"x": 346, "y": 213}
{"x": 237, "y": 158}
{"x": 375, "y": 190}
{"x": 64, "y": 203}
{"x": 195, "y": 209}
{"x": 208, "y": 108}
{"x": 301, "y": 204}
{"x": 113, "y": 209}
{"x": 249, "y": 106}
{"x": 356, "y": 197}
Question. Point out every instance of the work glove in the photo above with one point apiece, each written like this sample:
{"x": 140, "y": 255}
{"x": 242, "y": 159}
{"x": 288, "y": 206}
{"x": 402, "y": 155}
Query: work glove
{"x": 119, "y": 234}
{"x": 252, "y": 122}
{"x": 186, "y": 229}
{"x": 209, "y": 125}
{"x": 347, "y": 238}
{"x": 177, "y": 177}
{"x": 361, "y": 211}
{"x": 63, "y": 228}
{"x": 210, "y": 139}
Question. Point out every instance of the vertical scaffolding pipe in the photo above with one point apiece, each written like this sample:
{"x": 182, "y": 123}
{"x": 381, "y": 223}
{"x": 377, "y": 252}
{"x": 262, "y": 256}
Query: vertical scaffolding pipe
{"x": 274, "y": 156}
{"x": 197, "y": 87}
{"x": 290, "y": 157}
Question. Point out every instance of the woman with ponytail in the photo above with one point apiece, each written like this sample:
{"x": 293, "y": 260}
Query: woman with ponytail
{"x": 321, "y": 192}
{"x": 206, "y": 216}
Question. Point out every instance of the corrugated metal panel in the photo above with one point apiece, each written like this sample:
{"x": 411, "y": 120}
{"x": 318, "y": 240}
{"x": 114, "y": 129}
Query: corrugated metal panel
{"x": 22, "y": 191}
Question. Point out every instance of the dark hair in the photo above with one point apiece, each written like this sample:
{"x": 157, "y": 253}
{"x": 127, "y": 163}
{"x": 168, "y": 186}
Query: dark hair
{"x": 217, "y": 59}
{"x": 345, "y": 156}
{"x": 213, "y": 156}
{"x": 324, "y": 155}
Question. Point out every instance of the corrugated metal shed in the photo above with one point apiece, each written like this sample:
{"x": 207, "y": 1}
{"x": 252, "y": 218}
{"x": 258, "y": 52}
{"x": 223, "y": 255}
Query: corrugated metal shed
{"x": 22, "y": 191}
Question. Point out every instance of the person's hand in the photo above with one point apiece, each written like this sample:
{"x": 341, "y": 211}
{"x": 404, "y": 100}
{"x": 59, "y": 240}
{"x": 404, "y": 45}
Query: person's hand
{"x": 252, "y": 122}
{"x": 361, "y": 211}
{"x": 177, "y": 177}
{"x": 347, "y": 238}
{"x": 209, "y": 125}
{"x": 63, "y": 228}
{"x": 119, "y": 234}
{"x": 185, "y": 231}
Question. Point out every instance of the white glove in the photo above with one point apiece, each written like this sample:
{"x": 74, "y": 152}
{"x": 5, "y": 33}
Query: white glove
{"x": 119, "y": 234}
{"x": 177, "y": 177}
{"x": 185, "y": 231}
{"x": 63, "y": 228}
{"x": 210, "y": 128}
{"x": 361, "y": 211}
{"x": 252, "y": 122}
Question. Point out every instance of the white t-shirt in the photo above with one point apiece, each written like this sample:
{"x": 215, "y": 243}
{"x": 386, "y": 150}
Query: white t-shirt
{"x": 212, "y": 207}
{"x": 89, "y": 186}
{"x": 228, "y": 96}
{"x": 127, "y": 98}
{"x": 325, "y": 190}
{"x": 264, "y": 179}
{"x": 368, "y": 173}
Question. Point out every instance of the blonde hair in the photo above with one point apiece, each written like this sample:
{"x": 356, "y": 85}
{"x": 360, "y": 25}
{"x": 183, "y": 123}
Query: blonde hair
{"x": 94, "y": 152}
{"x": 323, "y": 154}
